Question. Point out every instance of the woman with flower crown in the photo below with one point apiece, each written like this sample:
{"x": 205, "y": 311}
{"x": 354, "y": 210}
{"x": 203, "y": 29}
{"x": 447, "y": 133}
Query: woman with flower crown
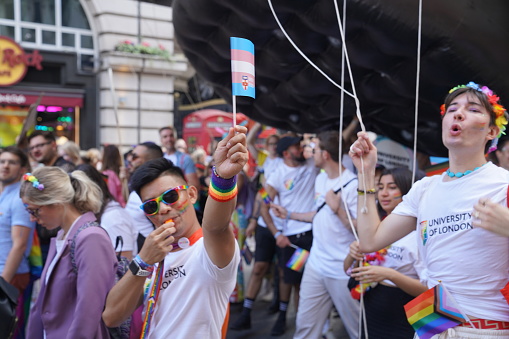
{"x": 81, "y": 265}
{"x": 471, "y": 262}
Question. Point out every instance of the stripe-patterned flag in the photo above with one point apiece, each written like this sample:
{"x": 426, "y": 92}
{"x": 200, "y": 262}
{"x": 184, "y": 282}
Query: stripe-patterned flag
{"x": 298, "y": 259}
{"x": 265, "y": 196}
{"x": 433, "y": 312}
{"x": 157, "y": 278}
{"x": 243, "y": 69}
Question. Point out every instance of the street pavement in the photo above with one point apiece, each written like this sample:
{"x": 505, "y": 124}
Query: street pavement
{"x": 262, "y": 321}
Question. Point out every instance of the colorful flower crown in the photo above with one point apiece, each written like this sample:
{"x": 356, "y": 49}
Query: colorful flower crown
{"x": 499, "y": 110}
{"x": 29, "y": 177}
{"x": 500, "y": 116}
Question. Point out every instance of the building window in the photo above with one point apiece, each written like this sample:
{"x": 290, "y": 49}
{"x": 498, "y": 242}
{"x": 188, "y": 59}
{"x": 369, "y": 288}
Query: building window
{"x": 73, "y": 15}
{"x": 50, "y": 25}
{"x": 28, "y": 34}
{"x": 7, "y": 9}
{"x": 38, "y": 11}
{"x": 49, "y": 37}
{"x": 7, "y": 31}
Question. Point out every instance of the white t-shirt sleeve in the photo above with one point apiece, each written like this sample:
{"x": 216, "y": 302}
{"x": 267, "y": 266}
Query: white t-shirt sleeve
{"x": 117, "y": 222}
{"x": 221, "y": 275}
{"x": 141, "y": 223}
{"x": 350, "y": 195}
{"x": 410, "y": 204}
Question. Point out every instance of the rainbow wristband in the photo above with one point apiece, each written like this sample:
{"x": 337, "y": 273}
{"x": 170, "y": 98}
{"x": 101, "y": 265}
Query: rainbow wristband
{"x": 143, "y": 265}
{"x": 221, "y": 189}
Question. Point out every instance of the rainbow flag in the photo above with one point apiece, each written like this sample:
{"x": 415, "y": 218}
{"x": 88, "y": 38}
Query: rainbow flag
{"x": 298, "y": 259}
{"x": 35, "y": 258}
{"x": 157, "y": 277}
{"x": 243, "y": 68}
{"x": 433, "y": 312}
{"x": 265, "y": 196}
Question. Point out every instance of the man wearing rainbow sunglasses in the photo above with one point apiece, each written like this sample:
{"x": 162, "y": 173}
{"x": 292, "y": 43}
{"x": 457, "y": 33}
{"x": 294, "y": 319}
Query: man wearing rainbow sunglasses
{"x": 184, "y": 274}
{"x": 450, "y": 212}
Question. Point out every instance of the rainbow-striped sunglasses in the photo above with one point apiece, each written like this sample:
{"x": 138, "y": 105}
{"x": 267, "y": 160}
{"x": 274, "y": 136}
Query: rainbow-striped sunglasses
{"x": 169, "y": 197}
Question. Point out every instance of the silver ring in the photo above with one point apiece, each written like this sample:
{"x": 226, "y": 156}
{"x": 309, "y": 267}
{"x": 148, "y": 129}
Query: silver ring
{"x": 476, "y": 214}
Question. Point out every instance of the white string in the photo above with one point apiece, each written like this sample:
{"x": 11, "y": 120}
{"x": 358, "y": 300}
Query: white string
{"x": 417, "y": 80}
{"x": 304, "y": 56}
{"x": 357, "y": 103}
{"x": 358, "y": 113}
{"x": 344, "y": 55}
{"x": 115, "y": 105}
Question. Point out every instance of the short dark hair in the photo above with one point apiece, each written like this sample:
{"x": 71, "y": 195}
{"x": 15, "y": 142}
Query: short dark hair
{"x": 153, "y": 169}
{"x": 48, "y": 135}
{"x": 167, "y": 127}
{"x": 23, "y": 158}
{"x": 329, "y": 141}
{"x": 153, "y": 151}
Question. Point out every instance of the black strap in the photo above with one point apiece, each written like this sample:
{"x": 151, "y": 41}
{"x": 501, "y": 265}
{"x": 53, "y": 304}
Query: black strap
{"x": 119, "y": 241}
{"x": 335, "y": 192}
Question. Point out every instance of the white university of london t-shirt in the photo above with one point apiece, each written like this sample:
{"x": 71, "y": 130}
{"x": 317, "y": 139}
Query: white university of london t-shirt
{"x": 331, "y": 238}
{"x": 295, "y": 187}
{"x": 269, "y": 166}
{"x": 194, "y": 295}
{"x": 472, "y": 263}
{"x": 403, "y": 256}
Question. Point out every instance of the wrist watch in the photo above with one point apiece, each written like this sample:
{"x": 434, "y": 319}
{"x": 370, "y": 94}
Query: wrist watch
{"x": 137, "y": 270}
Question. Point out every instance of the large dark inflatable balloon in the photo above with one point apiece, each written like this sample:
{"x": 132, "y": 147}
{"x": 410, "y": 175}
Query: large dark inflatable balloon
{"x": 462, "y": 41}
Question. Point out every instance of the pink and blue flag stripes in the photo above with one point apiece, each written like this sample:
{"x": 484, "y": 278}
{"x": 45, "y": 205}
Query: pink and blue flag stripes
{"x": 433, "y": 312}
{"x": 243, "y": 68}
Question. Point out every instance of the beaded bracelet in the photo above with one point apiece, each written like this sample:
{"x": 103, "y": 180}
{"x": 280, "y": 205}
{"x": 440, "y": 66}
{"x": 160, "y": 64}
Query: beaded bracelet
{"x": 371, "y": 191}
{"x": 143, "y": 265}
{"x": 222, "y": 189}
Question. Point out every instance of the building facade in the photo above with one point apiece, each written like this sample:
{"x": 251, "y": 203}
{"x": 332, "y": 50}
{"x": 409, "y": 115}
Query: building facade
{"x": 97, "y": 72}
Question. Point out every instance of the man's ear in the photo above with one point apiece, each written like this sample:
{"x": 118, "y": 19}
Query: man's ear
{"x": 193, "y": 193}
{"x": 494, "y": 132}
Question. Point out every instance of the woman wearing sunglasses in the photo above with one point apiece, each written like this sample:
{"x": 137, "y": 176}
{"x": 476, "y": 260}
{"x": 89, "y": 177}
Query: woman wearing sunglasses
{"x": 190, "y": 271}
{"x": 75, "y": 281}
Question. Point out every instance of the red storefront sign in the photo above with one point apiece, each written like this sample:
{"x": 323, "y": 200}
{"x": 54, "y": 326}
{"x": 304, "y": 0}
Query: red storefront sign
{"x": 14, "y": 62}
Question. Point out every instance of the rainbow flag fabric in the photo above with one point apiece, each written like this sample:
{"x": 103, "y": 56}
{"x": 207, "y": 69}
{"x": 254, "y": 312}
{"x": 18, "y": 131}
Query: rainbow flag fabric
{"x": 298, "y": 259}
{"x": 152, "y": 299}
{"x": 433, "y": 312}
{"x": 35, "y": 258}
{"x": 243, "y": 67}
{"x": 265, "y": 196}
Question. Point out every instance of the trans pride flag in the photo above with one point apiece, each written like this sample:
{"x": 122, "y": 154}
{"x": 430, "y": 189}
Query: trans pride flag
{"x": 433, "y": 312}
{"x": 243, "y": 68}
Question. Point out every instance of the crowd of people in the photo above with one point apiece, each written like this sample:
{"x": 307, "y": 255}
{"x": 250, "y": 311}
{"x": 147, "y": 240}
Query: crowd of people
{"x": 143, "y": 243}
